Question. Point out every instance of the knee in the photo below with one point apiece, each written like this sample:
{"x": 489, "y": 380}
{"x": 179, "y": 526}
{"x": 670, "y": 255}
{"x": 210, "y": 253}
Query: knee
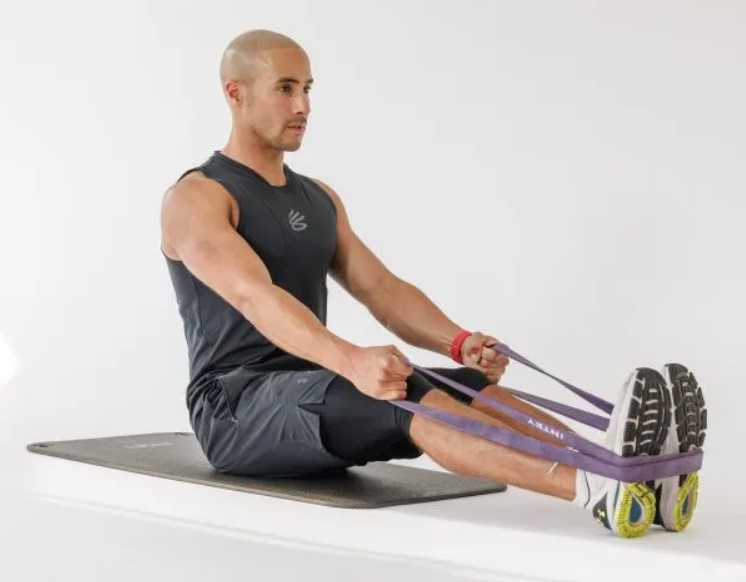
{"x": 472, "y": 378}
{"x": 417, "y": 387}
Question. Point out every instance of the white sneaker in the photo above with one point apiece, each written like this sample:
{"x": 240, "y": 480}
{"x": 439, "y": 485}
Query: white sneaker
{"x": 639, "y": 425}
{"x": 677, "y": 496}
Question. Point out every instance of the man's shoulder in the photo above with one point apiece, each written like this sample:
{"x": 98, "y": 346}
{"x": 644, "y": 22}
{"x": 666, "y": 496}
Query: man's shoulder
{"x": 197, "y": 193}
{"x": 194, "y": 180}
{"x": 195, "y": 184}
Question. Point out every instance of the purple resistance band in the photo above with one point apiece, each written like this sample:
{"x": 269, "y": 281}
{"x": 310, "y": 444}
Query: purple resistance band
{"x": 578, "y": 452}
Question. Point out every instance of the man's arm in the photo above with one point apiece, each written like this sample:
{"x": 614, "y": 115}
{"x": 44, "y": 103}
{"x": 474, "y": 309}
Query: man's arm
{"x": 196, "y": 226}
{"x": 400, "y": 306}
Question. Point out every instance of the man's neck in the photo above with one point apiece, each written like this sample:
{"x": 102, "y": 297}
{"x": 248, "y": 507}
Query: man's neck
{"x": 266, "y": 162}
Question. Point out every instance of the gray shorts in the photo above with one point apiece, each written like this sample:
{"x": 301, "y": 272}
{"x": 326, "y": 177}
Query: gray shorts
{"x": 254, "y": 423}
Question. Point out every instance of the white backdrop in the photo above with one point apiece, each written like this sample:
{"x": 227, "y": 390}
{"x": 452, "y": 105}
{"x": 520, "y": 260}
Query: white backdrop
{"x": 566, "y": 176}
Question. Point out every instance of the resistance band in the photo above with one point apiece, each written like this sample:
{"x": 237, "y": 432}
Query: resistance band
{"x": 577, "y": 451}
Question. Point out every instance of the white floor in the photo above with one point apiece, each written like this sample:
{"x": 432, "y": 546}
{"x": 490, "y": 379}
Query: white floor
{"x": 64, "y": 520}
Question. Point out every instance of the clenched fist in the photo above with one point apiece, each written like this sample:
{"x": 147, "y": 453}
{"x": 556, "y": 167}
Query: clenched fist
{"x": 380, "y": 372}
{"x": 476, "y": 353}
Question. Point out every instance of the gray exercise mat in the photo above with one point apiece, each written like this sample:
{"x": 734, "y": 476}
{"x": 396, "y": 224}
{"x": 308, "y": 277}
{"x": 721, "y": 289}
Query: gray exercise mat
{"x": 177, "y": 455}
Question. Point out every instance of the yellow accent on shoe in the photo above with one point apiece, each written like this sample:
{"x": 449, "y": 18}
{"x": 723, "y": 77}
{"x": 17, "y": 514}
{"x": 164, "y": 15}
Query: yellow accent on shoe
{"x": 687, "y": 495}
{"x": 630, "y": 493}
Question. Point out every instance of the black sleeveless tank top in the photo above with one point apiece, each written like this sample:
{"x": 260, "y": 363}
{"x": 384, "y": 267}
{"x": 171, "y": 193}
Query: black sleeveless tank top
{"x": 293, "y": 229}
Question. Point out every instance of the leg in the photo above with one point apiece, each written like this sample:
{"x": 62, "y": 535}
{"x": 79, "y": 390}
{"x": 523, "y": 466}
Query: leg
{"x": 466, "y": 454}
{"x": 361, "y": 429}
{"x": 626, "y": 509}
{"x": 475, "y": 380}
{"x": 505, "y": 397}
{"x": 254, "y": 424}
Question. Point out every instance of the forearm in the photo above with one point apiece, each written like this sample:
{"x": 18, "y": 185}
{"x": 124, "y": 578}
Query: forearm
{"x": 290, "y": 325}
{"x": 409, "y": 314}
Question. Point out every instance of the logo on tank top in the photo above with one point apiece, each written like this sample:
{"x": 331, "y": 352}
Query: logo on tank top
{"x": 296, "y": 220}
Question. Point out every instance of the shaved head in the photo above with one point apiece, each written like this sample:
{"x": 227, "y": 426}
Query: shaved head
{"x": 266, "y": 81}
{"x": 245, "y": 56}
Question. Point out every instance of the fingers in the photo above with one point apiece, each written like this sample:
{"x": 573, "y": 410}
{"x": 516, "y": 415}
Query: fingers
{"x": 471, "y": 350}
{"x": 493, "y": 359}
{"x": 494, "y": 377}
{"x": 480, "y": 356}
{"x": 393, "y": 390}
{"x": 496, "y": 367}
{"x": 394, "y": 395}
{"x": 397, "y": 352}
{"x": 478, "y": 346}
{"x": 396, "y": 366}
{"x": 490, "y": 358}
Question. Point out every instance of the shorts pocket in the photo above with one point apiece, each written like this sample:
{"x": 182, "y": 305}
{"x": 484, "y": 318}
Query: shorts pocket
{"x": 233, "y": 384}
{"x": 311, "y": 421}
{"x": 215, "y": 427}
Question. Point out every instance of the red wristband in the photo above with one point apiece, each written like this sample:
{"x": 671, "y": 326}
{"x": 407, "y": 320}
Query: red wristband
{"x": 456, "y": 344}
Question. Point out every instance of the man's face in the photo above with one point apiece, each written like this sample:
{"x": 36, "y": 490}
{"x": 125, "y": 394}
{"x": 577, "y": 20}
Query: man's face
{"x": 277, "y": 103}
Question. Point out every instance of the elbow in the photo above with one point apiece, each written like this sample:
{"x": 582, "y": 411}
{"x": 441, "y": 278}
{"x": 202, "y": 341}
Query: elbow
{"x": 252, "y": 301}
{"x": 383, "y": 300}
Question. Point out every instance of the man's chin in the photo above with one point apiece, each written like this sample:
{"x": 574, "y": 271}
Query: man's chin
{"x": 291, "y": 147}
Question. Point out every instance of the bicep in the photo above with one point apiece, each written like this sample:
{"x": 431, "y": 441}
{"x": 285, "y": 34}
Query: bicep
{"x": 196, "y": 223}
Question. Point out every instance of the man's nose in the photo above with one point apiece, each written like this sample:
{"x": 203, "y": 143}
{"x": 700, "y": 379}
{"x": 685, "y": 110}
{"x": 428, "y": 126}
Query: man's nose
{"x": 302, "y": 106}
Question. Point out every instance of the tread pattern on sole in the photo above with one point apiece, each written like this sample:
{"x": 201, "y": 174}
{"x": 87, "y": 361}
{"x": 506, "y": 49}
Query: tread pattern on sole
{"x": 689, "y": 426}
{"x": 648, "y": 416}
{"x": 690, "y": 410}
{"x": 644, "y": 430}
{"x": 646, "y": 498}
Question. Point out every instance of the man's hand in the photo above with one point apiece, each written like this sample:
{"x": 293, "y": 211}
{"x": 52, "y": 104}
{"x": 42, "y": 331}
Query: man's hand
{"x": 477, "y": 354}
{"x": 379, "y": 372}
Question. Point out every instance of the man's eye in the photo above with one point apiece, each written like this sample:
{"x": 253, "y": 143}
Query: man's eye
{"x": 285, "y": 88}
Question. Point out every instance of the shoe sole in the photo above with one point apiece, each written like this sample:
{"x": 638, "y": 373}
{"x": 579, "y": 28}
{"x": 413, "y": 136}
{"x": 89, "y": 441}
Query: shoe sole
{"x": 645, "y": 428}
{"x": 678, "y": 496}
{"x": 648, "y": 415}
{"x": 630, "y": 493}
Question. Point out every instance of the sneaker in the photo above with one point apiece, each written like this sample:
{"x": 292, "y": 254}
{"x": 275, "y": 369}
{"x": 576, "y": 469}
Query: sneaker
{"x": 639, "y": 426}
{"x": 677, "y": 496}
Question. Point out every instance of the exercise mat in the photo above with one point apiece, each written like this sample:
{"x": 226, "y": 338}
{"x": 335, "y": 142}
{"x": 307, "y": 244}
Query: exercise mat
{"x": 178, "y": 456}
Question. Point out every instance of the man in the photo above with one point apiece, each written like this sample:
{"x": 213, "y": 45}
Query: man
{"x": 249, "y": 243}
